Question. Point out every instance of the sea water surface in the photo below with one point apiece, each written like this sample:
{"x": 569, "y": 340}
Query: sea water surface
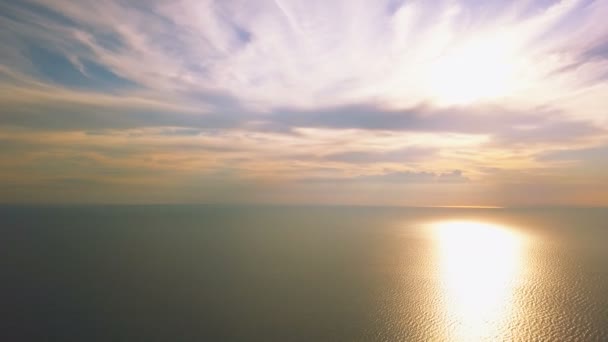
{"x": 221, "y": 273}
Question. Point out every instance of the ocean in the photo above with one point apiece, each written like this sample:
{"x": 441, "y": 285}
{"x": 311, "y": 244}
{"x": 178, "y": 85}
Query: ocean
{"x": 264, "y": 273}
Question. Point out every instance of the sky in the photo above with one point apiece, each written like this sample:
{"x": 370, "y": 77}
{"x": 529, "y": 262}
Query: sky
{"x": 394, "y": 102}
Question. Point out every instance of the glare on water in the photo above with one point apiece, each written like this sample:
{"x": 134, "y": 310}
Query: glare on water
{"x": 479, "y": 265}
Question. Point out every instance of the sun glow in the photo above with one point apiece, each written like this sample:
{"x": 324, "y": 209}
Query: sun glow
{"x": 479, "y": 70}
{"x": 480, "y": 265}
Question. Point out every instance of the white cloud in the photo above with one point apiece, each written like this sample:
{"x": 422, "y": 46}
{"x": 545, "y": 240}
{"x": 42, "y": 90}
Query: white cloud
{"x": 283, "y": 84}
{"x": 308, "y": 54}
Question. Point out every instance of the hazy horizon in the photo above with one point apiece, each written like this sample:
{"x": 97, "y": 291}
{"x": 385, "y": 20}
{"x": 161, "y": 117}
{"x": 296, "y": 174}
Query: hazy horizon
{"x": 279, "y": 205}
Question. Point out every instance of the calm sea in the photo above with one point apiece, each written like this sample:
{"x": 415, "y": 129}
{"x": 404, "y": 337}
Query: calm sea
{"x": 213, "y": 273}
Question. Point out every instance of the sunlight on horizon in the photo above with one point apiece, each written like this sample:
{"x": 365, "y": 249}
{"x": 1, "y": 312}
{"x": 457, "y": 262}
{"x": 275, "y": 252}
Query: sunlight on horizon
{"x": 480, "y": 265}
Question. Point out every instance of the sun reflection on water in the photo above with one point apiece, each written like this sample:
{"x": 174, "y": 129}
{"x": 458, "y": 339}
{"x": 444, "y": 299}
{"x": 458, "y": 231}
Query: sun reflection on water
{"x": 480, "y": 264}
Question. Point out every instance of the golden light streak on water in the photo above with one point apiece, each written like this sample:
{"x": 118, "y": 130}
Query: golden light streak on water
{"x": 480, "y": 266}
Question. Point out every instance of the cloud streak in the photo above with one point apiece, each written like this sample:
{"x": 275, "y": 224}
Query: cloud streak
{"x": 269, "y": 94}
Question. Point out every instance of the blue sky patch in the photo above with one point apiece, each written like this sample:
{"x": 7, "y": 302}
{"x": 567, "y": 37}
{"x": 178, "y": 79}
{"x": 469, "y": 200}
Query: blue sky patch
{"x": 58, "y": 69}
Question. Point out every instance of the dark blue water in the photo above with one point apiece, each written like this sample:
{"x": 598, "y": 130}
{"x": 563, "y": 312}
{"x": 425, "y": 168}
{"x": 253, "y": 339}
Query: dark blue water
{"x": 193, "y": 273}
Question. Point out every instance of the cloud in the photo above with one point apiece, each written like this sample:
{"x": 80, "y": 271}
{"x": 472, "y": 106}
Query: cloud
{"x": 552, "y": 131}
{"x": 287, "y": 94}
{"x": 403, "y": 177}
{"x": 292, "y": 53}
{"x": 597, "y": 154}
{"x": 392, "y": 156}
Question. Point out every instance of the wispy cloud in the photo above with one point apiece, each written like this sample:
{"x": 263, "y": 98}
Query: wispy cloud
{"x": 267, "y": 94}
